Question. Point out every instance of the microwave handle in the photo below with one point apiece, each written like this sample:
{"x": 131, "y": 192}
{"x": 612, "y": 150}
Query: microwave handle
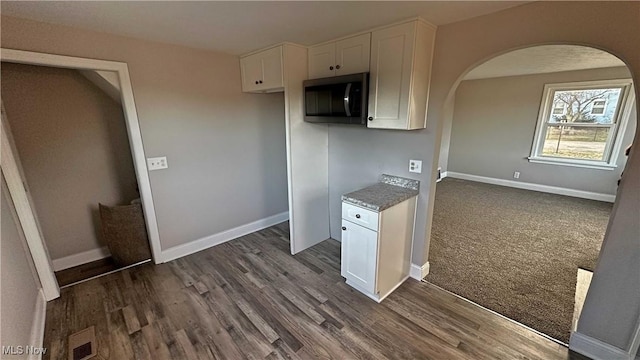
{"x": 347, "y": 97}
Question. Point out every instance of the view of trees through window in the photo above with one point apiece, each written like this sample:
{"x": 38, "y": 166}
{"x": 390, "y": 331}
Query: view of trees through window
{"x": 580, "y": 123}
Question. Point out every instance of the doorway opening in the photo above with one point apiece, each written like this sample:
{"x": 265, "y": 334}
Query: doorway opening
{"x": 70, "y": 135}
{"x": 531, "y": 158}
{"x": 86, "y": 149}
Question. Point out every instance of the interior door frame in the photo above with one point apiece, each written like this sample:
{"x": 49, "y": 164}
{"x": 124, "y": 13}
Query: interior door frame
{"x": 35, "y": 241}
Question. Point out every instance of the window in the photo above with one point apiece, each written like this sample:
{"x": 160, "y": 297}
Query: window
{"x": 558, "y": 108}
{"x": 581, "y": 124}
{"x": 598, "y": 107}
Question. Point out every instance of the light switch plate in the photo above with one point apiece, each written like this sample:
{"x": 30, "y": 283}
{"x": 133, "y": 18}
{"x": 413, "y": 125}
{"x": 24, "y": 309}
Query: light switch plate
{"x": 415, "y": 166}
{"x": 157, "y": 163}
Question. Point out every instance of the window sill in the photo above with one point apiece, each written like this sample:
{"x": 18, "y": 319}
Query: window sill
{"x": 573, "y": 163}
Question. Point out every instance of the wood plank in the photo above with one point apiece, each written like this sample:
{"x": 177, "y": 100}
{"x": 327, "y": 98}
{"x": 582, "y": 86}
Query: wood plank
{"x": 130, "y": 319}
{"x": 257, "y": 321}
{"x": 157, "y": 348}
{"x": 303, "y": 306}
{"x": 185, "y": 343}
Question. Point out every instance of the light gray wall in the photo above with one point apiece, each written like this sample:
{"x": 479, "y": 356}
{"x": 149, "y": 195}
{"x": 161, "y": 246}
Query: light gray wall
{"x": 20, "y": 287}
{"x": 494, "y": 124}
{"x": 73, "y": 146}
{"x": 225, "y": 149}
{"x": 445, "y": 145}
{"x": 357, "y": 158}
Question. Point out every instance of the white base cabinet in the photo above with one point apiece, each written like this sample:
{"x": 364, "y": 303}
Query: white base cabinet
{"x": 359, "y": 253}
{"x": 376, "y": 247}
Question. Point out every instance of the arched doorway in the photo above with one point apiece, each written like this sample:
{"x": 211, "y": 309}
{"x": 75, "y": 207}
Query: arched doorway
{"x": 553, "y": 119}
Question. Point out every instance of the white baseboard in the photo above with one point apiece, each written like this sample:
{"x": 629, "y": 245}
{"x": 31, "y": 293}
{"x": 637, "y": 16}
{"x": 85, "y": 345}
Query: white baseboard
{"x": 596, "y": 349}
{"x": 535, "y": 187}
{"x": 419, "y": 272}
{"x": 444, "y": 174}
{"x": 37, "y": 326}
{"x": 80, "y": 258}
{"x": 219, "y": 238}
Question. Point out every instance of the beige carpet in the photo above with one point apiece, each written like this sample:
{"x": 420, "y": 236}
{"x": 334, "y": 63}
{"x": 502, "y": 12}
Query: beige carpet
{"x": 515, "y": 251}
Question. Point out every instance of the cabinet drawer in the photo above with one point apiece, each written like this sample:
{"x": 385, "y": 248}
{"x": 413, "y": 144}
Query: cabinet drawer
{"x": 360, "y": 216}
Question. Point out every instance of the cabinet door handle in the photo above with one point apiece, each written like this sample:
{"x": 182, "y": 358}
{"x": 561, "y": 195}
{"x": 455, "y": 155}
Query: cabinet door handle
{"x": 357, "y": 216}
{"x": 260, "y": 81}
{"x": 370, "y": 118}
{"x": 256, "y": 82}
{"x": 344, "y": 228}
{"x": 337, "y": 67}
{"x": 330, "y": 67}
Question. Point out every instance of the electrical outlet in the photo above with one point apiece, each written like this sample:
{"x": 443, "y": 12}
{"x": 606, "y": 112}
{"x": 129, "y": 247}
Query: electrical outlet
{"x": 415, "y": 166}
{"x": 157, "y": 163}
{"x": 516, "y": 175}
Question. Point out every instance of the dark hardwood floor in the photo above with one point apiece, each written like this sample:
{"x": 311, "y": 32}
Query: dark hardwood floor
{"x": 85, "y": 271}
{"x": 250, "y": 299}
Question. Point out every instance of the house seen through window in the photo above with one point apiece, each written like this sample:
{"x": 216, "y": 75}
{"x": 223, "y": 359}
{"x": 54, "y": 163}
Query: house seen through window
{"x": 580, "y": 123}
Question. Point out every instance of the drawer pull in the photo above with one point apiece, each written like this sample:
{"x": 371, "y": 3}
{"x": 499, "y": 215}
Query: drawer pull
{"x": 357, "y": 216}
{"x": 344, "y": 228}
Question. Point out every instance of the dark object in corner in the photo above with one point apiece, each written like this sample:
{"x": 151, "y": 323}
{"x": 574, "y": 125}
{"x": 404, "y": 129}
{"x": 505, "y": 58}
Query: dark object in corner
{"x": 125, "y": 232}
{"x": 626, "y": 153}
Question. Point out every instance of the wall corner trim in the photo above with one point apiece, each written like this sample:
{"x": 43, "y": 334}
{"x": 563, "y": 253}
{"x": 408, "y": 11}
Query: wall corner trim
{"x": 535, "y": 187}
{"x": 419, "y": 272}
{"x": 80, "y": 258}
{"x": 222, "y": 237}
{"x": 37, "y": 326}
{"x": 596, "y": 349}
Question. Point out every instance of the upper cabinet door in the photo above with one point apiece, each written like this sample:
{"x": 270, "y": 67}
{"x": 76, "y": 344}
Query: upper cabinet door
{"x": 400, "y": 76}
{"x": 322, "y": 61}
{"x": 352, "y": 55}
{"x": 251, "y": 71}
{"x": 344, "y": 57}
{"x": 272, "y": 68}
{"x": 262, "y": 71}
{"x": 389, "y": 84}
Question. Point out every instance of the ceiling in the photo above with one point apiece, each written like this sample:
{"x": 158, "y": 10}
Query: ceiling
{"x": 544, "y": 59}
{"x": 238, "y": 27}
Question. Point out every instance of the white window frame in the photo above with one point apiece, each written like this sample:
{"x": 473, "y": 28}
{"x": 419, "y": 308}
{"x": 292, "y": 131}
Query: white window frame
{"x": 603, "y": 107}
{"x": 616, "y": 132}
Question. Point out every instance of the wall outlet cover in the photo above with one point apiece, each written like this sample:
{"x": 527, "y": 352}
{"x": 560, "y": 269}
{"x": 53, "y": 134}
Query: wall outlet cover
{"x": 415, "y": 166}
{"x": 157, "y": 163}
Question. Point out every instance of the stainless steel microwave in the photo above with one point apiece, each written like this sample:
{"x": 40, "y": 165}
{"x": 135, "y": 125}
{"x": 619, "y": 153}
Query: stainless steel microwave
{"x": 338, "y": 99}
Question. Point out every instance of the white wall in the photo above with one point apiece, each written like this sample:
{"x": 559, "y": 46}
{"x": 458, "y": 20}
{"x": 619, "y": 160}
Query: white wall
{"x": 225, "y": 149}
{"x": 20, "y": 288}
{"x": 494, "y": 124}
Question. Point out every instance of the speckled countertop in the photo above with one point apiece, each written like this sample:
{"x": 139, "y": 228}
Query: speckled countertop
{"x": 391, "y": 190}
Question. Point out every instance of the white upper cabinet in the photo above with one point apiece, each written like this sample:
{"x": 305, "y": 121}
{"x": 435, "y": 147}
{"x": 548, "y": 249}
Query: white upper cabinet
{"x": 322, "y": 61}
{"x": 343, "y": 57}
{"x": 262, "y": 71}
{"x": 400, "y": 75}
